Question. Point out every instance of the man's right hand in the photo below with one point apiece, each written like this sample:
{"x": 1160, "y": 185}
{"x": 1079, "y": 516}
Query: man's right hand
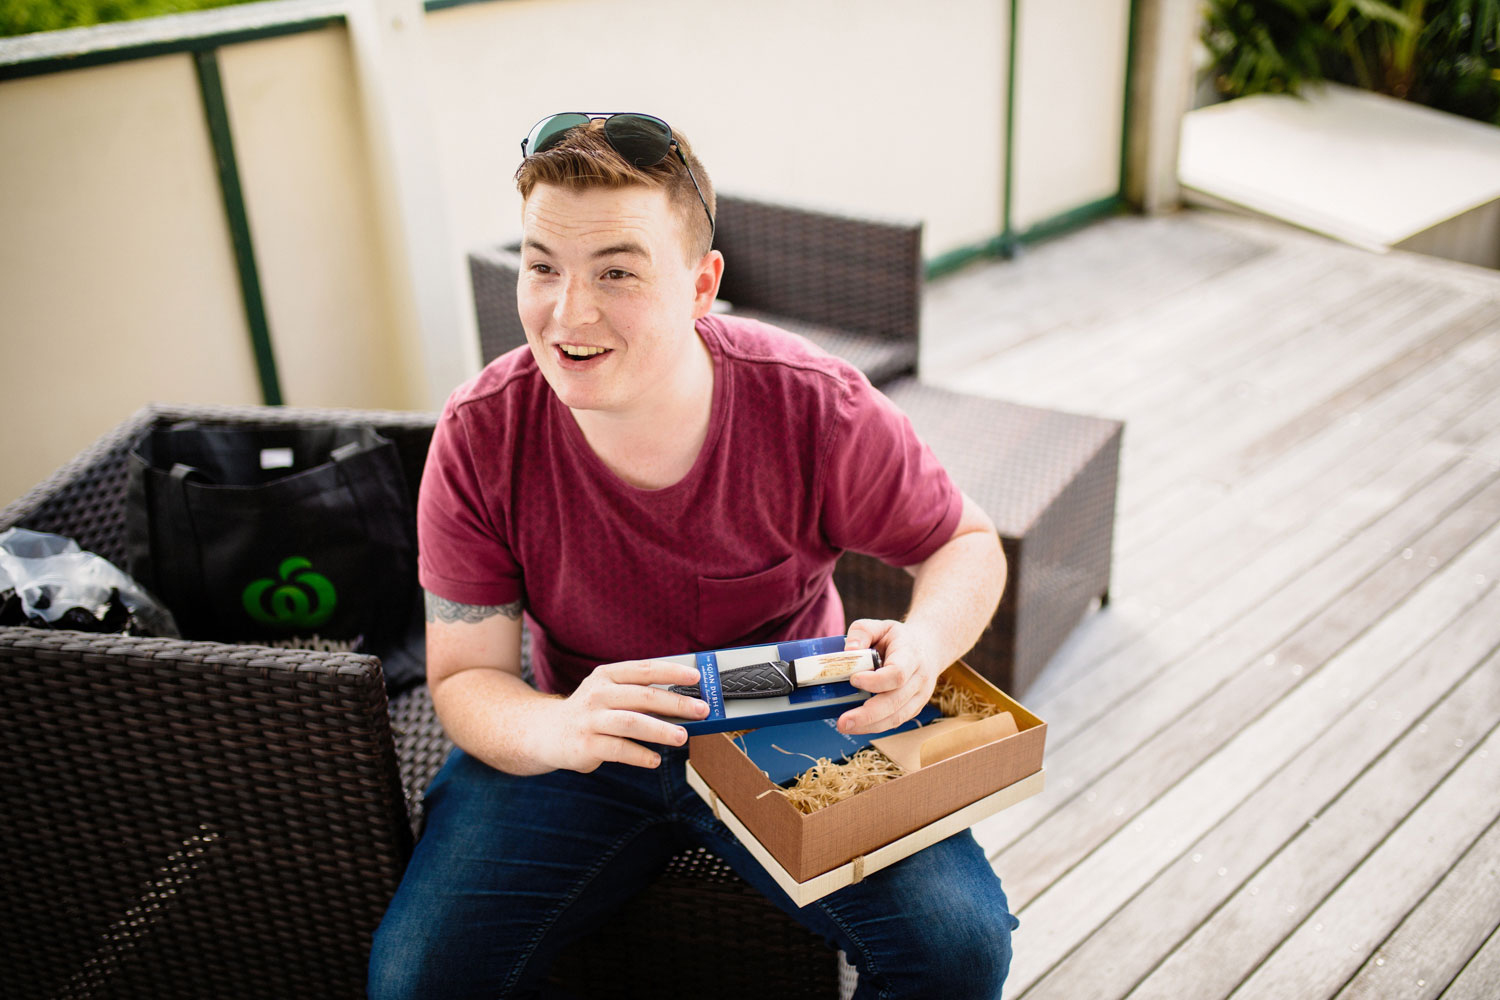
{"x": 474, "y": 674}
{"x": 605, "y": 717}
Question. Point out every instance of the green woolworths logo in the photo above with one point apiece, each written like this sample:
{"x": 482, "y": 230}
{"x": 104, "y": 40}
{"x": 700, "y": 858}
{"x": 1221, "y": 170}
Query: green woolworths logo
{"x": 304, "y": 599}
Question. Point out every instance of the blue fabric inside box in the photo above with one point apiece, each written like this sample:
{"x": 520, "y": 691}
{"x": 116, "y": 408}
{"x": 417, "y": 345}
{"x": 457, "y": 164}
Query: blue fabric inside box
{"x": 784, "y": 752}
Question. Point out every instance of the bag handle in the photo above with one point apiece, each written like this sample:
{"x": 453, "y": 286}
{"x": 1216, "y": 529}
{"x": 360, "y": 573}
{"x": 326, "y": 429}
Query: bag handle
{"x": 170, "y": 547}
{"x": 353, "y": 482}
{"x": 344, "y": 452}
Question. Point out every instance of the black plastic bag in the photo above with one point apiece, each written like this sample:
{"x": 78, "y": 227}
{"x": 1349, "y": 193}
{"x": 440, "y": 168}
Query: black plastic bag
{"x": 297, "y": 536}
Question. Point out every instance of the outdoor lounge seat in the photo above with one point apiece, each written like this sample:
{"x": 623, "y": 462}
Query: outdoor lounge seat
{"x": 191, "y": 819}
{"x": 850, "y": 285}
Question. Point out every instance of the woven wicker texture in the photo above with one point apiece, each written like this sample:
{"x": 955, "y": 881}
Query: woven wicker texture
{"x": 881, "y": 359}
{"x": 1048, "y": 481}
{"x": 191, "y": 819}
{"x": 852, "y": 286}
{"x": 853, "y": 274}
{"x": 421, "y": 747}
{"x": 493, "y": 272}
{"x": 85, "y": 499}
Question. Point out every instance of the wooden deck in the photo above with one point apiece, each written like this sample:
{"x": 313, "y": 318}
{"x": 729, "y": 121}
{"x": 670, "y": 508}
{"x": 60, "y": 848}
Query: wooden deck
{"x": 1273, "y": 763}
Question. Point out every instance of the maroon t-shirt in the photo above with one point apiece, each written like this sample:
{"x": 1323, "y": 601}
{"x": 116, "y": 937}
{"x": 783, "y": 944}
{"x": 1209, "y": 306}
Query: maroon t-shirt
{"x": 803, "y": 459}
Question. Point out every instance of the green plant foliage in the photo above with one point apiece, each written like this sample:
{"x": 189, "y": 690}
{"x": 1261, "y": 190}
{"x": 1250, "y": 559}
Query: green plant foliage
{"x": 22, "y": 17}
{"x": 1265, "y": 46}
{"x": 1443, "y": 53}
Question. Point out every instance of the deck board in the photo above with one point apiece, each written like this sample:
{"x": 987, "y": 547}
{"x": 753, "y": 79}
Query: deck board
{"x": 1421, "y": 956}
{"x": 1096, "y": 854}
{"x": 1190, "y": 425}
{"x": 1283, "y": 529}
{"x": 1437, "y": 691}
{"x": 1348, "y": 442}
{"x": 1141, "y": 690}
{"x": 1304, "y": 615}
{"x": 1331, "y": 942}
{"x": 1480, "y": 978}
{"x": 1272, "y": 897}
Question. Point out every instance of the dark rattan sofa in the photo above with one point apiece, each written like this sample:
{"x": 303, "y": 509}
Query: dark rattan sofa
{"x": 194, "y": 819}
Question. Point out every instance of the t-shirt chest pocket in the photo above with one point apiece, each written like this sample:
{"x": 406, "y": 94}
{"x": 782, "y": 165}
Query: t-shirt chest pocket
{"x": 744, "y": 609}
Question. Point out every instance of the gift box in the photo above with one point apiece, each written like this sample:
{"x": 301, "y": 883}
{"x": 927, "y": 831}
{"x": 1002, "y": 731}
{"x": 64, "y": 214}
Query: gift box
{"x": 813, "y": 854}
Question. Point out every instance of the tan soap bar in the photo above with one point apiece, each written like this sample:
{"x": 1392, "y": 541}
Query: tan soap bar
{"x": 936, "y": 741}
{"x": 941, "y": 746}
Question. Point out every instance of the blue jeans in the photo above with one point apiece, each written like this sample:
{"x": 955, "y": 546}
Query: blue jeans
{"x": 511, "y": 869}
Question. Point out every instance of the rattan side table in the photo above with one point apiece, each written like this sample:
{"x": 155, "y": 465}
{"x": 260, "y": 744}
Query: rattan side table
{"x": 1047, "y": 479}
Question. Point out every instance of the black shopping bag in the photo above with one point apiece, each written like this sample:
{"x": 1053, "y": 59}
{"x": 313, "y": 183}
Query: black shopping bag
{"x": 284, "y": 535}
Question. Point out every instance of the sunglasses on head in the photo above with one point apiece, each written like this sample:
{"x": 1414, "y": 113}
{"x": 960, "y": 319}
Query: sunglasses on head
{"x": 642, "y": 139}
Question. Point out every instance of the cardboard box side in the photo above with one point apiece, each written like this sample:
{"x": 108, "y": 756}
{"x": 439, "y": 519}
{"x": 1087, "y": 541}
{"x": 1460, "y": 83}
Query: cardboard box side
{"x": 736, "y": 780}
{"x": 819, "y": 886}
{"x": 964, "y": 676}
{"x": 864, "y": 822}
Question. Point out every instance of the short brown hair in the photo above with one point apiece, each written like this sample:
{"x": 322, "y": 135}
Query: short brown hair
{"x": 583, "y": 159}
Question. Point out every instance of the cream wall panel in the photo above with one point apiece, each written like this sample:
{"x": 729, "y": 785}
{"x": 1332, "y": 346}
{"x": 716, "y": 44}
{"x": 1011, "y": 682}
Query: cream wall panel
{"x": 883, "y": 106}
{"x": 1070, "y": 99}
{"x": 117, "y": 277}
{"x": 304, "y": 168}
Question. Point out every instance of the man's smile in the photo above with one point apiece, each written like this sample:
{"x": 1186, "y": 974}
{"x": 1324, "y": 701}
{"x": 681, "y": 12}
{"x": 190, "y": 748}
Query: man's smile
{"x": 575, "y": 357}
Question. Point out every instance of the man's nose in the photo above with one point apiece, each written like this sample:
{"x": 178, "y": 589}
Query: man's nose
{"x": 575, "y": 304}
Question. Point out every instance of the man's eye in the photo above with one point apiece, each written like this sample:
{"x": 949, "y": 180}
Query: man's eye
{"x": 540, "y": 268}
{"x": 615, "y": 274}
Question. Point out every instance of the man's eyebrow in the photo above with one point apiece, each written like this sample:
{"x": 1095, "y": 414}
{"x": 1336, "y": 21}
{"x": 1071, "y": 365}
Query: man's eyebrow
{"x": 627, "y": 248}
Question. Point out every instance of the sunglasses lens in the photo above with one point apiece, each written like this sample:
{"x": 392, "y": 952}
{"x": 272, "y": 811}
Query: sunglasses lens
{"x": 641, "y": 139}
{"x": 549, "y": 130}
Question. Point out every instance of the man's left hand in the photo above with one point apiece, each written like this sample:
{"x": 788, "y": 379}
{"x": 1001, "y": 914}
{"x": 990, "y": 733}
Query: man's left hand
{"x": 908, "y": 673}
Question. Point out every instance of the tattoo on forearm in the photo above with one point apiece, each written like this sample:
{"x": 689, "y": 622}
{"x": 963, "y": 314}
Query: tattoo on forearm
{"x": 440, "y": 609}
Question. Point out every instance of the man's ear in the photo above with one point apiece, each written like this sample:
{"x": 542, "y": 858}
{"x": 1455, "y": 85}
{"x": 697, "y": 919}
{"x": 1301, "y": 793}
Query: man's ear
{"x": 706, "y": 283}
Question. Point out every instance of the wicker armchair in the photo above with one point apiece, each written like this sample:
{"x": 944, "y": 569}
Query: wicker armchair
{"x": 191, "y": 819}
{"x": 852, "y": 286}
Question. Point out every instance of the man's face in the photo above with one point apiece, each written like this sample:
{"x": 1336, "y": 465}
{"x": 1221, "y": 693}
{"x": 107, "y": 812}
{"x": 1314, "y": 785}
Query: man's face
{"x": 606, "y": 295}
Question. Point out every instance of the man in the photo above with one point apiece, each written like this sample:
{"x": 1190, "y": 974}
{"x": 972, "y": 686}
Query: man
{"x": 648, "y": 479}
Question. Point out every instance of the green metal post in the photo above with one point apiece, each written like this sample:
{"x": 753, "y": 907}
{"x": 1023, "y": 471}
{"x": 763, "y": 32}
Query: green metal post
{"x": 1006, "y": 241}
{"x": 217, "y": 112}
{"x": 1130, "y": 40}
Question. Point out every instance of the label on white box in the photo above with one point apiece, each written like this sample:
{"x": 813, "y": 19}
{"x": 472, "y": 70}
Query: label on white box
{"x": 276, "y": 458}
